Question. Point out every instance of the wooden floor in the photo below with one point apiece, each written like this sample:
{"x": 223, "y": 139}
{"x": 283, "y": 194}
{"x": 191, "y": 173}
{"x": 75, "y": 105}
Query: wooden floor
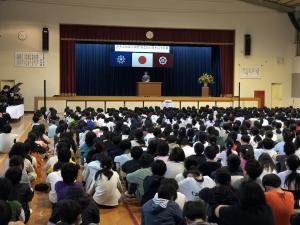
{"x": 127, "y": 213}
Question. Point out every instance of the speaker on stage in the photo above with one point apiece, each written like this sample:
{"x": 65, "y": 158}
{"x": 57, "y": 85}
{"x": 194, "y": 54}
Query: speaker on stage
{"x": 247, "y": 41}
{"x": 45, "y": 39}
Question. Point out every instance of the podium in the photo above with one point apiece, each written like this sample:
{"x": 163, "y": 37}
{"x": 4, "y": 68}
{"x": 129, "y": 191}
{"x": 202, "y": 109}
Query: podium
{"x": 205, "y": 91}
{"x": 149, "y": 89}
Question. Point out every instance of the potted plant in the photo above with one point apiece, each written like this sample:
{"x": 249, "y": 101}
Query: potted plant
{"x": 206, "y": 79}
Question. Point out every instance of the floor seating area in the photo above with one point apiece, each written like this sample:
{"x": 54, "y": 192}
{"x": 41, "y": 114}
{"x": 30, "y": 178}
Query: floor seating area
{"x": 210, "y": 157}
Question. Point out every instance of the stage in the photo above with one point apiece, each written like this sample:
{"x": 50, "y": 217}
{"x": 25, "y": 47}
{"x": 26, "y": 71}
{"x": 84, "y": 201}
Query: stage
{"x": 60, "y": 102}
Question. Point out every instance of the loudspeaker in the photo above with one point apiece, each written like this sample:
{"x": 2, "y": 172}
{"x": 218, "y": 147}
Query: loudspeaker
{"x": 247, "y": 50}
{"x": 45, "y": 39}
{"x": 295, "y": 19}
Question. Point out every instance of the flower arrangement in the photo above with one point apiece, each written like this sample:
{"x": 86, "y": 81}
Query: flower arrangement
{"x": 206, "y": 79}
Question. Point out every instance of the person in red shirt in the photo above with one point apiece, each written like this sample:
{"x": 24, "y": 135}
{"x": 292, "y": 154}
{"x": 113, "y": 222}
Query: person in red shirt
{"x": 281, "y": 202}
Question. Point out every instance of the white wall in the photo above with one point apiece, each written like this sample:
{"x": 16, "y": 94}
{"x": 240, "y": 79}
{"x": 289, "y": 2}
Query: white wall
{"x": 272, "y": 35}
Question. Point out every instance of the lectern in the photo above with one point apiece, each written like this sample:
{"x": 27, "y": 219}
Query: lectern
{"x": 148, "y": 88}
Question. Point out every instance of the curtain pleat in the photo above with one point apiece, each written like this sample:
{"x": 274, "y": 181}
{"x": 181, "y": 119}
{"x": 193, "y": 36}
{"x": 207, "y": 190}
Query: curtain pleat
{"x": 227, "y": 61}
{"x": 67, "y": 68}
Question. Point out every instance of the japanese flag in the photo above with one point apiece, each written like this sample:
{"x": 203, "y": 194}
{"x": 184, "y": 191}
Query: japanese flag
{"x": 142, "y": 59}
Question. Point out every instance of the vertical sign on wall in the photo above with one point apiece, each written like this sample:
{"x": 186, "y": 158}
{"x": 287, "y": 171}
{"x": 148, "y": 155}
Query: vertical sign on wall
{"x": 30, "y": 59}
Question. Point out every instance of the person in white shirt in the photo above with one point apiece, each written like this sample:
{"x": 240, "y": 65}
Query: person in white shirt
{"x": 52, "y": 178}
{"x": 106, "y": 188}
{"x": 193, "y": 183}
{"x": 91, "y": 169}
{"x": 7, "y": 139}
{"x": 188, "y": 150}
{"x": 290, "y": 178}
{"x": 210, "y": 122}
{"x": 175, "y": 163}
{"x": 267, "y": 164}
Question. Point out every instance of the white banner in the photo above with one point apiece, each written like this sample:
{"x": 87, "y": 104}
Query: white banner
{"x": 250, "y": 72}
{"x": 30, "y": 59}
{"x": 142, "y": 48}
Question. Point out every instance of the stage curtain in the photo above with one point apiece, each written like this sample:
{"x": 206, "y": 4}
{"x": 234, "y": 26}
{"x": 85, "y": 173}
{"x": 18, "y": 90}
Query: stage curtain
{"x": 226, "y": 66}
{"x": 69, "y": 34}
{"x": 215, "y": 88}
{"x": 95, "y": 76}
{"x": 67, "y": 68}
{"x": 132, "y": 34}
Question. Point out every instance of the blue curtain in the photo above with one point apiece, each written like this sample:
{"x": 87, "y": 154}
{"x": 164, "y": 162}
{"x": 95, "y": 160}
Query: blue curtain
{"x": 95, "y": 76}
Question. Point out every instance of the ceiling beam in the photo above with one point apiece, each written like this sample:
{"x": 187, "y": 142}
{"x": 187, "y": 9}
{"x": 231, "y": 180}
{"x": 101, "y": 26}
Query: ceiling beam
{"x": 272, "y": 5}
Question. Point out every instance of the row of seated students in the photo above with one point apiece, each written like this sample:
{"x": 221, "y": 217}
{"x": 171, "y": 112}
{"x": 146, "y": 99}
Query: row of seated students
{"x": 188, "y": 166}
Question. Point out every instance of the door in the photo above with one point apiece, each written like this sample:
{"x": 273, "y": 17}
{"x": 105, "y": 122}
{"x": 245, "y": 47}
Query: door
{"x": 261, "y": 95}
{"x": 276, "y": 95}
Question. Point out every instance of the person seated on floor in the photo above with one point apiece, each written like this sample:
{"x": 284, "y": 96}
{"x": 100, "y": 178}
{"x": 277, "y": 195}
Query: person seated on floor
{"x": 73, "y": 217}
{"x": 29, "y": 156}
{"x": 181, "y": 199}
{"x": 35, "y": 120}
{"x": 5, "y": 213}
{"x": 223, "y": 155}
{"x": 245, "y": 144}
{"x": 35, "y": 152}
{"x": 114, "y": 149}
{"x": 162, "y": 209}
{"x": 89, "y": 209}
{"x": 152, "y": 183}
{"x": 106, "y": 188}
{"x": 18, "y": 149}
{"x": 64, "y": 155}
{"x": 175, "y": 163}
{"x": 69, "y": 173}
{"x": 52, "y": 125}
{"x": 194, "y": 213}
{"x": 22, "y": 193}
{"x": 137, "y": 177}
{"x": 290, "y": 178}
{"x": 281, "y": 202}
{"x": 233, "y": 167}
{"x": 91, "y": 169}
{"x": 211, "y": 163}
{"x": 193, "y": 183}
{"x": 42, "y": 139}
{"x": 90, "y": 138}
{"x": 222, "y": 194}
{"x": 7, "y": 139}
{"x": 199, "y": 150}
{"x": 68, "y": 137}
{"x": 252, "y": 172}
{"x": 251, "y": 208}
{"x": 162, "y": 151}
{"x": 119, "y": 160}
{"x": 190, "y": 163}
{"x": 17, "y": 212}
{"x": 289, "y": 148}
{"x": 267, "y": 164}
{"x": 18, "y": 161}
{"x": 130, "y": 167}
{"x": 267, "y": 147}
